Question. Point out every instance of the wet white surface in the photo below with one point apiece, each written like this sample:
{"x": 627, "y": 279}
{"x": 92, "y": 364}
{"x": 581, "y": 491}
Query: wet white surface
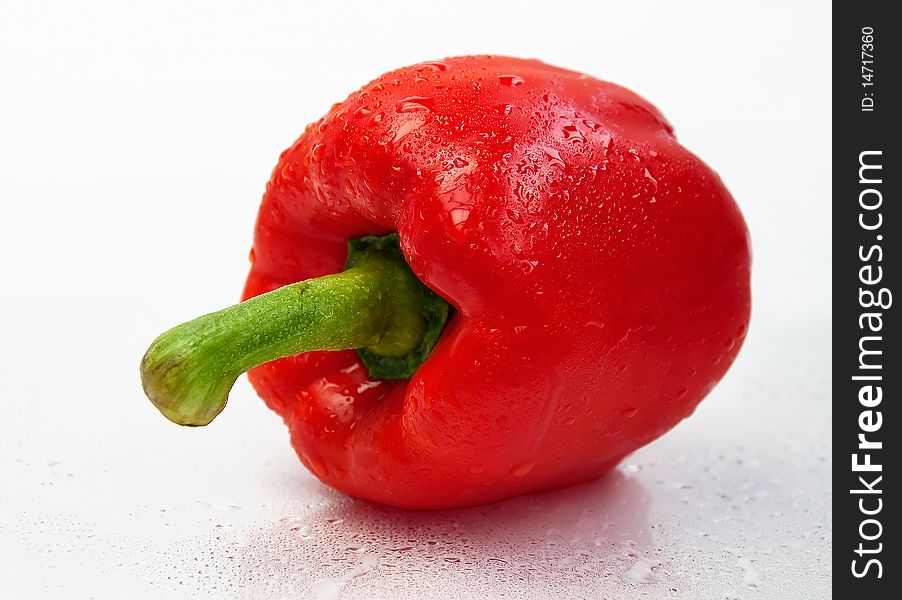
{"x": 134, "y": 152}
{"x": 732, "y": 504}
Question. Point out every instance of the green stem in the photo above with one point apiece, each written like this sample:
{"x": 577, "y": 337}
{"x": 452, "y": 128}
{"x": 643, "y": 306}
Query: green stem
{"x": 376, "y": 305}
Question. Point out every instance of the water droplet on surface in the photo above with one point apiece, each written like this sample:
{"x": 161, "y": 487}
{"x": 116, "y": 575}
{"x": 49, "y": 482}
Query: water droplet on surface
{"x": 434, "y": 65}
{"x": 629, "y": 412}
{"x": 643, "y": 570}
{"x": 219, "y": 506}
{"x": 367, "y": 385}
{"x": 414, "y": 103}
{"x": 750, "y": 575}
{"x": 554, "y": 158}
{"x": 330, "y": 589}
{"x": 318, "y": 467}
{"x": 523, "y": 469}
{"x": 458, "y": 204}
{"x": 572, "y": 133}
{"x": 527, "y": 266}
{"x": 459, "y": 216}
{"x": 511, "y": 80}
{"x": 651, "y": 178}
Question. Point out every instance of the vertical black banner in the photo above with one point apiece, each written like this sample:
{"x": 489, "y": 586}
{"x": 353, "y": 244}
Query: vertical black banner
{"x": 867, "y": 371}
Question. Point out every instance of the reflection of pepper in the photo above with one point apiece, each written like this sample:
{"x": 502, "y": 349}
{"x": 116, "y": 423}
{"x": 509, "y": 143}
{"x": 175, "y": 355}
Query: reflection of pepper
{"x": 599, "y": 274}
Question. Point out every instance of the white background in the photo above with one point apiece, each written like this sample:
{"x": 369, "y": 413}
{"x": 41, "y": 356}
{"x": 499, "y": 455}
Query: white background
{"x": 135, "y": 140}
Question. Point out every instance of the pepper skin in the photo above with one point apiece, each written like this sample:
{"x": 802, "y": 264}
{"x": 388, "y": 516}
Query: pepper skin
{"x": 599, "y": 273}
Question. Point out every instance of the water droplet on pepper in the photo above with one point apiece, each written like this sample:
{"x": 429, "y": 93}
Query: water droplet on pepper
{"x": 414, "y": 103}
{"x": 511, "y": 80}
{"x": 523, "y": 469}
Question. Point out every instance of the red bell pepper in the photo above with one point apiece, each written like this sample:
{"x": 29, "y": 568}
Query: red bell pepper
{"x": 597, "y": 274}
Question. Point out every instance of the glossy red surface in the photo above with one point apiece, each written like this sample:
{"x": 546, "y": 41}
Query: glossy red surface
{"x": 600, "y": 273}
